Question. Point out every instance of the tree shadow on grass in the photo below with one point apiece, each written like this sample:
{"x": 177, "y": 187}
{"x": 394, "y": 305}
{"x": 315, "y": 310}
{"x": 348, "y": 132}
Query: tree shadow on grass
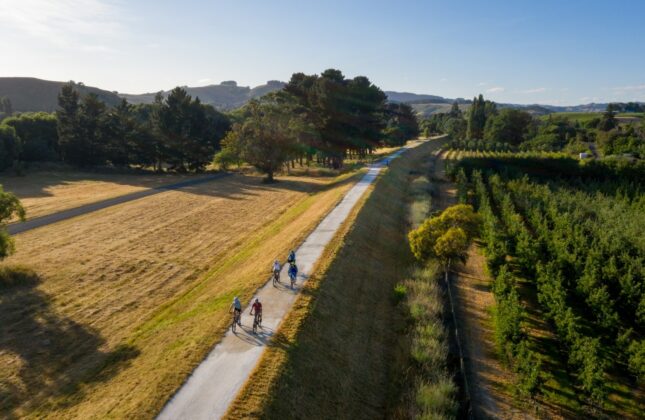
{"x": 47, "y": 356}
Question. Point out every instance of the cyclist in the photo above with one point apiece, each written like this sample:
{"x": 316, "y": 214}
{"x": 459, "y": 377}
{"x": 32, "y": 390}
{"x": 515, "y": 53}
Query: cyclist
{"x": 257, "y": 307}
{"x": 293, "y": 273}
{"x": 291, "y": 259}
{"x": 237, "y": 307}
{"x": 276, "y": 267}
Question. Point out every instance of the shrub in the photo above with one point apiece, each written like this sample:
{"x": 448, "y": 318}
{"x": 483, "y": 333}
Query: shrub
{"x": 17, "y": 276}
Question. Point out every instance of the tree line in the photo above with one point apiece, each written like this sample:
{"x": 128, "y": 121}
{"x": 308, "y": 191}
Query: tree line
{"x": 325, "y": 117}
{"x": 485, "y": 127}
{"x": 176, "y": 132}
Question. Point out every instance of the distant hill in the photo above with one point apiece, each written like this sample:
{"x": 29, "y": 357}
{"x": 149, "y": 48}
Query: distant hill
{"x": 413, "y": 97}
{"x": 30, "y": 94}
{"x": 225, "y": 96}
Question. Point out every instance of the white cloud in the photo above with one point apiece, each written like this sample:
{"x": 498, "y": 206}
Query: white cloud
{"x": 482, "y": 84}
{"x": 536, "y": 90}
{"x": 75, "y": 24}
{"x": 204, "y": 80}
{"x": 443, "y": 79}
{"x": 495, "y": 89}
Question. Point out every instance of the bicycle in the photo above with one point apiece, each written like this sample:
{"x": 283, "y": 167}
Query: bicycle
{"x": 236, "y": 319}
{"x": 293, "y": 273}
{"x": 257, "y": 322}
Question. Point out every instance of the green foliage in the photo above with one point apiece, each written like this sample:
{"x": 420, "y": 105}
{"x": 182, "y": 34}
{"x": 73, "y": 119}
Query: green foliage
{"x": 345, "y": 114}
{"x": 462, "y": 186}
{"x": 608, "y": 120}
{"x": 177, "y": 131}
{"x": 622, "y": 141}
{"x": 452, "y": 123}
{"x": 231, "y": 151}
{"x": 268, "y": 136}
{"x": 636, "y": 360}
{"x": 528, "y": 366}
{"x": 578, "y": 239}
{"x": 400, "y": 292}
{"x": 69, "y": 130}
{"x": 190, "y": 131}
{"x": 38, "y": 136}
{"x": 508, "y": 126}
{"x": 402, "y": 124}
{"x": 6, "y": 108}
{"x": 9, "y": 146}
{"x": 9, "y": 207}
{"x": 446, "y": 236}
{"x": 480, "y": 111}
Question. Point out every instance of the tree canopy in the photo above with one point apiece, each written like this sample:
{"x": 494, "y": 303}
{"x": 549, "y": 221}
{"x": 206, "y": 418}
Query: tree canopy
{"x": 446, "y": 236}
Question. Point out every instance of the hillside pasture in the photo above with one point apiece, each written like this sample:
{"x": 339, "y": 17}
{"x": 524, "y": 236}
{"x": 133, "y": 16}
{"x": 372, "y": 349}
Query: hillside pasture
{"x": 129, "y": 299}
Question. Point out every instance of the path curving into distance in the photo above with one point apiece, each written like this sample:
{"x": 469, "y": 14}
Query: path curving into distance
{"x": 48, "y": 219}
{"x": 213, "y": 385}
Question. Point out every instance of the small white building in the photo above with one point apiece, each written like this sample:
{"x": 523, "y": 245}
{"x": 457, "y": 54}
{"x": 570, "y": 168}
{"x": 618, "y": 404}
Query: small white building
{"x": 584, "y": 155}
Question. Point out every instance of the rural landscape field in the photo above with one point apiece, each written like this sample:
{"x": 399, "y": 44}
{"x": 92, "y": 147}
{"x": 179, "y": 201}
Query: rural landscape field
{"x": 419, "y": 210}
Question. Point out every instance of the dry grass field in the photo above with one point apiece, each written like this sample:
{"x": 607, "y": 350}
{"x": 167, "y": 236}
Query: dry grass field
{"x": 131, "y": 298}
{"x": 48, "y": 192}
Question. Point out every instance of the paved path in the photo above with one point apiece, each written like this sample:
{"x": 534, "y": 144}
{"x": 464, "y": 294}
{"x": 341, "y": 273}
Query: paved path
{"x": 37, "y": 222}
{"x": 216, "y": 381}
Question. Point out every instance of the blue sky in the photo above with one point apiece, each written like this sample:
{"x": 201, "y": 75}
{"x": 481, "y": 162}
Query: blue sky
{"x": 556, "y": 52}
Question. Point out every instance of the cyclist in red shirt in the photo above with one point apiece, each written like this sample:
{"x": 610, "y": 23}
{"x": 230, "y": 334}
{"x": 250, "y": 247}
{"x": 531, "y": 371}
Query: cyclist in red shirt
{"x": 257, "y": 307}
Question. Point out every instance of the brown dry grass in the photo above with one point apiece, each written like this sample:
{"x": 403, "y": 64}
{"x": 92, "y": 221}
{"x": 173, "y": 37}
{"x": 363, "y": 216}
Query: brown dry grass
{"x": 48, "y": 192}
{"x": 133, "y": 297}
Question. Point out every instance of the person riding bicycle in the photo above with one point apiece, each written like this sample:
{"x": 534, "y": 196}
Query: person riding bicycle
{"x": 291, "y": 259}
{"x": 276, "y": 267}
{"x": 257, "y": 307}
{"x": 293, "y": 271}
{"x": 237, "y": 307}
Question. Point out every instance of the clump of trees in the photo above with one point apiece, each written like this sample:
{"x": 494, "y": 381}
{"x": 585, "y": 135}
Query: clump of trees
{"x": 445, "y": 237}
{"x": 402, "y": 124}
{"x": 326, "y": 117}
{"x": 479, "y": 113}
{"x": 177, "y": 131}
